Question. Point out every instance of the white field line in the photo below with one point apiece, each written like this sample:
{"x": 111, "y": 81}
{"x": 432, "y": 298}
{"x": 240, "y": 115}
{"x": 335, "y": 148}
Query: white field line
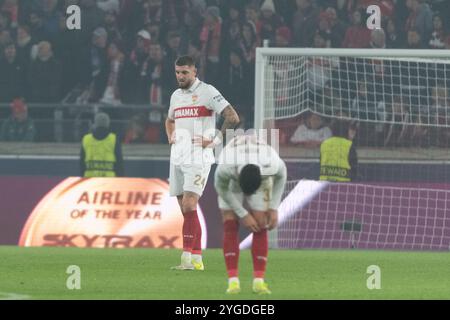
{"x": 13, "y": 296}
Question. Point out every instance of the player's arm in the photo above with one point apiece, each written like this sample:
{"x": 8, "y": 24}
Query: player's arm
{"x": 221, "y": 184}
{"x": 230, "y": 122}
{"x": 170, "y": 123}
{"x": 170, "y": 129}
{"x": 279, "y": 182}
{"x": 231, "y": 119}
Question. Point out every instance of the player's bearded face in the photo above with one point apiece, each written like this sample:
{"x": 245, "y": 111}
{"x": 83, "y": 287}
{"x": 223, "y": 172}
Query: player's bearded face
{"x": 185, "y": 76}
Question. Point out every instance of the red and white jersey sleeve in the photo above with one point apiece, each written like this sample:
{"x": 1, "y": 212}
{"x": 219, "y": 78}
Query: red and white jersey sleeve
{"x": 194, "y": 111}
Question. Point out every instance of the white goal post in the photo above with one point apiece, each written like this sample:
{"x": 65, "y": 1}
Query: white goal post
{"x": 289, "y": 81}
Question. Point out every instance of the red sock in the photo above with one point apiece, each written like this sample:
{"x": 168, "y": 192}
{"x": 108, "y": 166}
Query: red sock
{"x": 189, "y": 227}
{"x": 197, "y": 249}
{"x": 260, "y": 248}
{"x": 231, "y": 247}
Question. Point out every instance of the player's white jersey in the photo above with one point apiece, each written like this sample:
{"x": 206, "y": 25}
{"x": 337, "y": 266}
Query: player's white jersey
{"x": 239, "y": 152}
{"x": 194, "y": 111}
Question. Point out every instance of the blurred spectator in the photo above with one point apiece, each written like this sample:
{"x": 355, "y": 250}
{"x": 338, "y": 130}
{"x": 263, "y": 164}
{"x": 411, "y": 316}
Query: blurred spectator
{"x": 5, "y": 21}
{"x": 393, "y": 38}
{"x": 140, "y": 131}
{"x": 18, "y": 127}
{"x": 312, "y": 132}
{"x": 252, "y": 15}
{"x": 304, "y": 23}
{"x": 367, "y": 105}
{"x": 210, "y": 37}
{"x": 357, "y": 35}
{"x": 194, "y": 51}
{"x": 135, "y": 79}
{"x": 193, "y": 18}
{"x": 36, "y": 23}
{"x": 232, "y": 26}
{"x": 237, "y": 86}
{"x": 320, "y": 69}
{"x": 173, "y": 45}
{"x": 109, "y": 6}
{"x": 159, "y": 90}
{"x": 329, "y": 23}
{"x": 440, "y": 106}
{"x": 11, "y": 8}
{"x": 249, "y": 42}
{"x": 51, "y": 17}
{"x": 378, "y": 39}
{"x": 363, "y": 105}
{"x": 5, "y": 37}
{"x": 12, "y": 75}
{"x": 414, "y": 40}
{"x": 154, "y": 30}
{"x": 283, "y": 37}
{"x": 97, "y": 62}
{"x": 93, "y": 17}
{"x": 399, "y": 126}
{"x": 270, "y": 21}
{"x": 439, "y": 35}
{"x": 24, "y": 45}
{"x": 420, "y": 19}
{"x": 321, "y": 40}
{"x": 112, "y": 27}
{"x": 111, "y": 94}
{"x": 45, "y": 76}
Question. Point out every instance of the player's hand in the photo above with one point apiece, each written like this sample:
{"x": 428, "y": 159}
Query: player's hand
{"x": 273, "y": 219}
{"x": 172, "y": 139}
{"x": 249, "y": 222}
{"x": 204, "y": 143}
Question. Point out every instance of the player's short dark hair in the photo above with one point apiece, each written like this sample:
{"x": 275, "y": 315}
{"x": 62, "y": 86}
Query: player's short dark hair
{"x": 185, "y": 61}
{"x": 250, "y": 179}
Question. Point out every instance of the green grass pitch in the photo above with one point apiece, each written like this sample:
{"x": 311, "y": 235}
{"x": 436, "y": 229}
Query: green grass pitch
{"x": 40, "y": 273}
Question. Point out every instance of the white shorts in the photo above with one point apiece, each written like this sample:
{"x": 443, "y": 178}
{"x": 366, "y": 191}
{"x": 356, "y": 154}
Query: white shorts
{"x": 192, "y": 178}
{"x": 259, "y": 201}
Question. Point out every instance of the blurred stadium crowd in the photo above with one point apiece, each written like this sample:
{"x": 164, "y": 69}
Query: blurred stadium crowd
{"x": 124, "y": 53}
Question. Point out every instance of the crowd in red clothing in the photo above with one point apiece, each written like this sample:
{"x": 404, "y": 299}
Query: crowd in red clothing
{"x": 125, "y": 50}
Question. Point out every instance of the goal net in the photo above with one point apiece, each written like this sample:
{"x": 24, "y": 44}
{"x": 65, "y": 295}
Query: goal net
{"x": 398, "y": 97}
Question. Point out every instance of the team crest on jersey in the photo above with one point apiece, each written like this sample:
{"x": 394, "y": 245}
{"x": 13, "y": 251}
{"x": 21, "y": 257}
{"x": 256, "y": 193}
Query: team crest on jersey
{"x": 194, "y": 98}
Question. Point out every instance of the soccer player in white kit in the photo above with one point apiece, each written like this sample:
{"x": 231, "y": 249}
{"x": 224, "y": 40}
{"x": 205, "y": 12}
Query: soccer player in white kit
{"x": 191, "y": 130}
{"x": 250, "y": 181}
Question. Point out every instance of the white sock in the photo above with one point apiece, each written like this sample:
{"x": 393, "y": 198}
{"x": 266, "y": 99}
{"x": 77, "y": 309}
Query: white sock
{"x": 233, "y": 279}
{"x": 186, "y": 255}
{"x": 197, "y": 257}
{"x": 258, "y": 280}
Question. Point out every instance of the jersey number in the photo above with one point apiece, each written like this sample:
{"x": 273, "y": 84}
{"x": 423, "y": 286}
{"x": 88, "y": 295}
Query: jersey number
{"x": 199, "y": 181}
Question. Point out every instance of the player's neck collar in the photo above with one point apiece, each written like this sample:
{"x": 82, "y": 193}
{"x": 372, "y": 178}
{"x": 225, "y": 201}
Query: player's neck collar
{"x": 194, "y": 86}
